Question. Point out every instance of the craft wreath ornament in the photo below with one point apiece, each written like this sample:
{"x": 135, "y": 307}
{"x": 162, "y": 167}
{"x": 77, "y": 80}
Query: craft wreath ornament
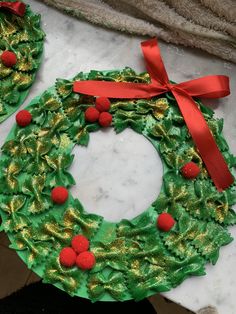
{"x": 21, "y": 46}
{"x": 81, "y": 253}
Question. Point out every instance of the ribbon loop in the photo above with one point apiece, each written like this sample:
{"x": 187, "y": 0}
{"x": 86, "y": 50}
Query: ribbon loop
{"x": 211, "y": 86}
{"x": 17, "y": 7}
{"x": 154, "y": 63}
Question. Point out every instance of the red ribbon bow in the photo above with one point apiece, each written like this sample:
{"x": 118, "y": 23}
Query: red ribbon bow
{"x": 212, "y": 86}
{"x": 17, "y": 7}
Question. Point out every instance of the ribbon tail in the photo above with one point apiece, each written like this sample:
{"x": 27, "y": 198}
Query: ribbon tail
{"x": 118, "y": 89}
{"x": 204, "y": 141}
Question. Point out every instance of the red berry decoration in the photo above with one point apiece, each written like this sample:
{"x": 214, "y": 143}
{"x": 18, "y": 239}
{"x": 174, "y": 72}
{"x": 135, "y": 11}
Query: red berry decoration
{"x": 190, "y": 170}
{"x": 67, "y": 257}
{"x": 23, "y": 118}
{"x": 80, "y": 243}
{"x": 165, "y": 222}
{"x": 105, "y": 119}
{"x": 91, "y": 114}
{"x": 102, "y": 104}
{"x": 85, "y": 260}
{"x": 8, "y": 58}
{"x": 59, "y": 195}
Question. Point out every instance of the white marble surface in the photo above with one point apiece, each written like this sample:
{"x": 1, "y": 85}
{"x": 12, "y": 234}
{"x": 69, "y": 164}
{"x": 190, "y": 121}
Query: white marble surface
{"x": 113, "y": 177}
{"x": 74, "y": 46}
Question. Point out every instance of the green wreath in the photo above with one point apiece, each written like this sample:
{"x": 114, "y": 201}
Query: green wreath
{"x": 134, "y": 259}
{"x": 24, "y": 37}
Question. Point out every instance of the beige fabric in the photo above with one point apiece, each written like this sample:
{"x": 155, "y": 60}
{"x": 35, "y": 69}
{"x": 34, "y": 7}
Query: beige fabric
{"x": 206, "y": 24}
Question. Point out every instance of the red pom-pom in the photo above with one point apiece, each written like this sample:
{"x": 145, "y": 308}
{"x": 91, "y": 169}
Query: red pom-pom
{"x": 105, "y": 119}
{"x": 190, "y": 170}
{"x": 91, "y": 114}
{"x": 85, "y": 260}
{"x": 59, "y": 195}
{"x": 102, "y": 104}
{"x": 67, "y": 257}
{"x": 80, "y": 243}
{"x": 23, "y": 118}
{"x": 8, "y": 58}
{"x": 165, "y": 222}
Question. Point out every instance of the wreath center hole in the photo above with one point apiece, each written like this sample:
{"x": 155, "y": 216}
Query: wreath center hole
{"x": 117, "y": 176}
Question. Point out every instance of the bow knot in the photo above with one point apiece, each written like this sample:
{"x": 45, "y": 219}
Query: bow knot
{"x": 212, "y": 86}
{"x": 168, "y": 87}
{"x": 98, "y": 285}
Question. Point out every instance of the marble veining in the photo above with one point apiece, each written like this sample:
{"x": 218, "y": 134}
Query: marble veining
{"x": 72, "y": 46}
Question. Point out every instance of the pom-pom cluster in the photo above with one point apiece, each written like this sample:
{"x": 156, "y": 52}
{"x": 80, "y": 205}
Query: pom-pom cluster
{"x": 78, "y": 254}
{"x": 99, "y": 112}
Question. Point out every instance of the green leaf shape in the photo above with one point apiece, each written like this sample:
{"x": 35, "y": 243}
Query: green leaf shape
{"x": 15, "y": 220}
{"x": 180, "y": 268}
{"x": 161, "y": 130}
{"x": 9, "y": 182}
{"x": 12, "y": 86}
{"x": 216, "y": 125}
{"x": 75, "y": 216}
{"x": 112, "y": 254}
{"x": 7, "y": 28}
{"x": 37, "y": 113}
{"x": 49, "y": 229}
{"x": 137, "y": 228}
{"x": 175, "y": 190}
{"x": 9, "y": 91}
{"x": 4, "y": 71}
{"x": 209, "y": 205}
{"x": 28, "y": 57}
{"x": 123, "y": 119}
{"x": 151, "y": 266}
{"x": 192, "y": 236}
{"x": 170, "y": 137}
{"x": 64, "y": 87}
{"x": 34, "y": 187}
{"x": 59, "y": 162}
{"x": 79, "y": 132}
{"x": 35, "y": 251}
{"x": 125, "y": 75}
{"x": 48, "y": 101}
{"x": 28, "y": 28}
{"x": 55, "y": 124}
{"x": 157, "y": 107}
{"x": 38, "y": 148}
{"x": 70, "y": 279}
{"x": 72, "y": 107}
{"x": 114, "y": 285}
{"x": 127, "y": 105}
{"x": 16, "y": 147}
{"x": 143, "y": 277}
